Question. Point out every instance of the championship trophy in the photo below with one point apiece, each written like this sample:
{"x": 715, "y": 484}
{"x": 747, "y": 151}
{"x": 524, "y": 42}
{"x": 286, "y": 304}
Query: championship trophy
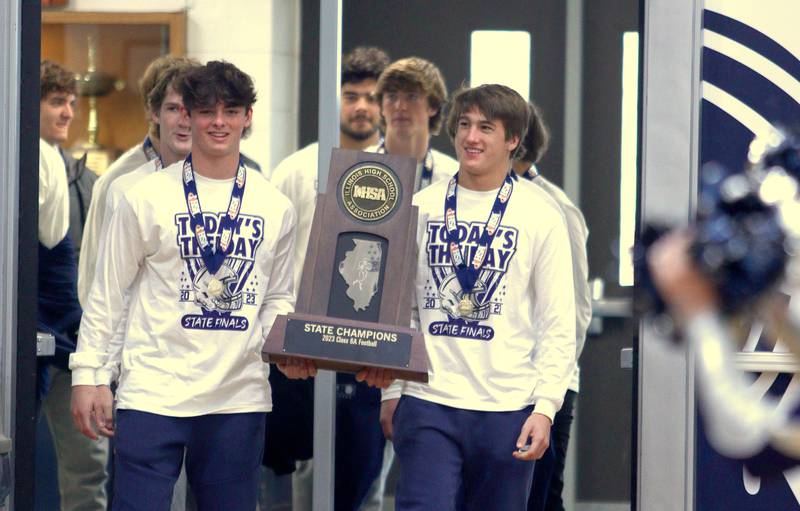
{"x": 354, "y": 303}
{"x": 94, "y": 84}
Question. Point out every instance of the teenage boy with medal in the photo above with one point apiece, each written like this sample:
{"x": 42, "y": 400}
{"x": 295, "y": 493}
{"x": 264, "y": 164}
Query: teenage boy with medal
{"x": 204, "y": 249}
{"x": 548, "y": 474}
{"x": 153, "y": 86}
{"x": 494, "y": 299}
{"x": 412, "y": 95}
{"x": 171, "y": 130}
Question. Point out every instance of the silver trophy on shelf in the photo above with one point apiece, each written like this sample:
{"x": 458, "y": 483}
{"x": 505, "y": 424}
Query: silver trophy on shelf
{"x": 94, "y": 84}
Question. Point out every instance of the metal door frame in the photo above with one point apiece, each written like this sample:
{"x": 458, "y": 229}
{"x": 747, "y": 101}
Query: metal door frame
{"x": 20, "y": 36}
{"x": 9, "y": 159}
{"x": 671, "y": 46}
{"x": 330, "y": 43}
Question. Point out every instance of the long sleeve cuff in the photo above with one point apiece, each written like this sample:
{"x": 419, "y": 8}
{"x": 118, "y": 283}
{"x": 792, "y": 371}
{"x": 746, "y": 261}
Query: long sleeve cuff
{"x": 103, "y": 377}
{"x": 83, "y": 376}
{"x": 394, "y": 391}
{"x": 545, "y": 407}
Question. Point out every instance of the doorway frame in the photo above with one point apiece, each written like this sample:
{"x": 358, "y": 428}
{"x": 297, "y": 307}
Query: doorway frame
{"x": 669, "y": 156}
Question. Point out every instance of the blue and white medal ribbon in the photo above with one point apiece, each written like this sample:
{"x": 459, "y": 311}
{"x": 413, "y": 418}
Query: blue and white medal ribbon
{"x": 151, "y": 153}
{"x": 427, "y": 170}
{"x": 532, "y": 173}
{"x": 213, "y": 256}
{"x": 427, "y": 166}
{"x": 467, "y": 272}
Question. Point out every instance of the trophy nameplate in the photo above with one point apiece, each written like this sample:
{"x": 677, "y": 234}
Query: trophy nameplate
{"x": 354, "y": 302}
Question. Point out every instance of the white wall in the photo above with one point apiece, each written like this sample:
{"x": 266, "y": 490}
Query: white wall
{"x": 259, "y": 36}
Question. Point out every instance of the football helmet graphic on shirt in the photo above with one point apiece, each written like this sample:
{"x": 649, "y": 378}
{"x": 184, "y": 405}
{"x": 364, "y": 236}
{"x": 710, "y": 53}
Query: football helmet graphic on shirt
{"x": 451, "y": 294}
{"x": 228, "y": 300}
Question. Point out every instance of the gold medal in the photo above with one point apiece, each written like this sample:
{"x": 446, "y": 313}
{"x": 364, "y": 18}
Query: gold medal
{"x": 465, "y": 306}
{"x": 214, "y": 287}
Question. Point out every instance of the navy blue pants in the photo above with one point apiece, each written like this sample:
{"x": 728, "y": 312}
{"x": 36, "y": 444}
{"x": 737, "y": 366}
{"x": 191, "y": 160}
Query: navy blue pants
{"x": 548, "y": 476}
{"x": 223, "y": 455}
{"x": 452, "y": 459}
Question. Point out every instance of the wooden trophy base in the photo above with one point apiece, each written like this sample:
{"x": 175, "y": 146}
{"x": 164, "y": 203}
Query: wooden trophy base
{"x": 347, "y": 346}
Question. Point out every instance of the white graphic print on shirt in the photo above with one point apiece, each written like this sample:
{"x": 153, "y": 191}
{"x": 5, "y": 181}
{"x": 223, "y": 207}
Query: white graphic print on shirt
{"x": 443, "y": 291}
{"x": 239, "y": 289}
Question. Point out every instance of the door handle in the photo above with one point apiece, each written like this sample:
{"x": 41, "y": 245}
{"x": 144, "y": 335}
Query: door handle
{"x": 606, "y": 307}
{"x": 626, "y": 358}
{"x": 612, "y": 308}
{"x": 45, "y": 344}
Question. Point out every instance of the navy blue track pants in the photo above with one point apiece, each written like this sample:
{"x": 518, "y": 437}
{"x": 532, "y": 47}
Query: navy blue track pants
{"x": 459, "y": 460}
{"x": 223, "y": 455}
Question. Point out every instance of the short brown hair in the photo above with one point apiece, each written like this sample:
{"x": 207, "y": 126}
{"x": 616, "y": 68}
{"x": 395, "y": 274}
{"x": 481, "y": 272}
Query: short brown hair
{"x": 168, "y": 77}
{"x": 363, "y": 63}
{"x": 159, "y": 75}
{"x": 54, "y": 78}
{"x": 217, "y": 82}
{"x": 495, "y": 102}
{"x": 537, "y": 138}
{"x": 415, "y": 73}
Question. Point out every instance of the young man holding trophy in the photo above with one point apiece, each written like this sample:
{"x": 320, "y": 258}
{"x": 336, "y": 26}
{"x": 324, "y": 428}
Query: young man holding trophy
{"x": 494, "y": 301}
{"x": 204, "y": 248}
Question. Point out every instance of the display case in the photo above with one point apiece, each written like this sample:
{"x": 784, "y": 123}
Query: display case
{"x": 110, "y": 51}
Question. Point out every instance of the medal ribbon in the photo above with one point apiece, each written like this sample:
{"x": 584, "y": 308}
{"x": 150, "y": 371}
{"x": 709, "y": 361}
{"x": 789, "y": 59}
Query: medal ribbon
{"x": 427, "y": 170}
{"x": 151, "y": 153}
{"x": 467, "y": 274}
{"x": 213, "y": 256}
{"x": 531, "y": 174}
{"x": 427, "y": 165}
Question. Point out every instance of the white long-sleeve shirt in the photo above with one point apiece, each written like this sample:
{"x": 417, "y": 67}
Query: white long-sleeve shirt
{"x": 578, "y": 234}
{"x": 296, "y": 177}
{"x": 181, "y": 358}
{"x": 114, "y": 195}
{"x": 132, "y": 159}
{"x": 518, "y": 348}
{"x": 119, "y": 187}
{"x": 53, "y": 196}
